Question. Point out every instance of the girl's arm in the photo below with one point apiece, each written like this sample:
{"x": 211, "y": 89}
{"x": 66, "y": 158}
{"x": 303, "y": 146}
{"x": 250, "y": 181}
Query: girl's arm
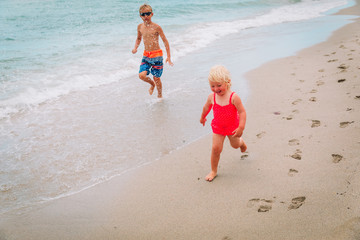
{"x": 206, "y": 109}
{"x": 242, "y": 115}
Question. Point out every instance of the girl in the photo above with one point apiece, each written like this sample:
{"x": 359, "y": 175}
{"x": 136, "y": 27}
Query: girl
{"x": 229, "y": 116}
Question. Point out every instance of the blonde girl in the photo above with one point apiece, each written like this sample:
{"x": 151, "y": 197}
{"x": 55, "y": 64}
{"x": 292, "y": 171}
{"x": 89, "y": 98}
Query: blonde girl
{"x": 229, "y": 116}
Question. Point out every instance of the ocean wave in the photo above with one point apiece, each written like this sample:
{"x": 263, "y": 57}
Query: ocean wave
{"x": 201, "y": 35}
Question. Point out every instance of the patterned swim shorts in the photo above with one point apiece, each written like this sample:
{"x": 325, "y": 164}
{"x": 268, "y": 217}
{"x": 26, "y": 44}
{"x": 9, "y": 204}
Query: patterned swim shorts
{"x": 152, "y": 62}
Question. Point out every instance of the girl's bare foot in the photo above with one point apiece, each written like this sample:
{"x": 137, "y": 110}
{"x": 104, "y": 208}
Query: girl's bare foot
{"x": 243, "y": 146}
{"x": 211, "y": 176}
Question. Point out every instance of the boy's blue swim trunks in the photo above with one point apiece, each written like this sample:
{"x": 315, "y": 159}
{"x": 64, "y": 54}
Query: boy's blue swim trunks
{"x": 152, "y": 62}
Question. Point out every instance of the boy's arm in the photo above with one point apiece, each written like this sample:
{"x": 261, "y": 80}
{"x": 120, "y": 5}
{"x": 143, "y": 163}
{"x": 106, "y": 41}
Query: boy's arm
{"x": 167, "y": 46}
{"x": 206, "y": 109}
{"x": 242, "y": 115}
{"x": 138, "y": 40}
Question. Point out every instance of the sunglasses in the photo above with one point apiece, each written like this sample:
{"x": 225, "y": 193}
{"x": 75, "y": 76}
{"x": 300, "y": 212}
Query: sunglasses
{"x": 145, "y": 14}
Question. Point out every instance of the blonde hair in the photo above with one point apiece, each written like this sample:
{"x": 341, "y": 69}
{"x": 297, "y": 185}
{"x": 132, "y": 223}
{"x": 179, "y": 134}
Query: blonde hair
{"x": 142, "y": 7}
{"x": 220, "y": 74}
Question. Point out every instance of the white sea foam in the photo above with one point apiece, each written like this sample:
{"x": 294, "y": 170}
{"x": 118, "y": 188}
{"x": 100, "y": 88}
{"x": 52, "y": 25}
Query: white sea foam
{"x": 64, "y": 80}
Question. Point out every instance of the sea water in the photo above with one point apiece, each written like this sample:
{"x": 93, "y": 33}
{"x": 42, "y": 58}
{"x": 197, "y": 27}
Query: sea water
{"x": 73, "y": 112}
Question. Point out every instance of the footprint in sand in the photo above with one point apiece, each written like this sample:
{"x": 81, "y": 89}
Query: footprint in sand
{"x": 243, "y": 157}
{"x": 296, "y": 101}
{"x": 319, "y": 83}
{"x": 292, "y": 172}
{"x": 312, "y": 99}
{"x": 226, "y": 238}
{"x": 327, "y": 55}
{"x": 313, "y": 91}
{"x": 294, "y": 142}
{"x": 345, "y": 124}
{"x": 263, "y": 205}
{"x": 288, "y": 118}
{"x": 296, "y": 203}
{"x": 297, "y": 154}
{"x": 315, "y": 123}
{"x": 260, "y": 135}
{"x": 336, "y": 158}
{"x": 343, "y": 67}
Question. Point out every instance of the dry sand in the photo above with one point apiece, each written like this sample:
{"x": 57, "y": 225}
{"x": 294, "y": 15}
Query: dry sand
{"x": 299, "y": 179}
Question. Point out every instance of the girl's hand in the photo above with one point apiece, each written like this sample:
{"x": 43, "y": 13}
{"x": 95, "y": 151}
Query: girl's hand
{"x": 202, "y": 121}
{"x": 238, "y": 132}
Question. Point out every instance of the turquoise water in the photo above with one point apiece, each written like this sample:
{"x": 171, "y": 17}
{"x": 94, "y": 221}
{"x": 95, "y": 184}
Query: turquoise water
{"x": 72, "y": 111}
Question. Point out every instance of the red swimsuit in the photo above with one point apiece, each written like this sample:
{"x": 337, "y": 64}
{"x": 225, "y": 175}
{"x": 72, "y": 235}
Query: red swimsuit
{"x": 226, "y": 118}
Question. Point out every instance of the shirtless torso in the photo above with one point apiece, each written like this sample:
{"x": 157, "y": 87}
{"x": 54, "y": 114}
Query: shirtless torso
{"x": 150, "y": 34}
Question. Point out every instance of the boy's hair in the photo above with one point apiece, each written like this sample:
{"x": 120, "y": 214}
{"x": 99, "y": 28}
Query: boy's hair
{"x": 220, "y": 74}
{"x": 142, "y": 7}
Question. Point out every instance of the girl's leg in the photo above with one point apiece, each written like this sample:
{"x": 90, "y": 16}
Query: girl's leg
{"x": 236, "y": 143}
{"x": 143, "y": 76}
{"x": 158, "y": 86}
{"x": 217, "y": 146}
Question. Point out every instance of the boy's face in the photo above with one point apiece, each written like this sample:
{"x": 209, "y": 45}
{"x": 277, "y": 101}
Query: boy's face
{"x": 146, "y": 14}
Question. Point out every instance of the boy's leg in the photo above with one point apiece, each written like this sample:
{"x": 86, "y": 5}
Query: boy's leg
{"x": 158, "y": 86}
{"x": 156, "y": 71}
{"x": 237, "y": 142}
{"x": 217, "y": 146}
{"x": 143, "y": 76}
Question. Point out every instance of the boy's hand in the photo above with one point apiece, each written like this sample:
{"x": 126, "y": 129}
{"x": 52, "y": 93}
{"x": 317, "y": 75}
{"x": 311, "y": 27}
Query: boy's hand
{"x": 168, "y": 60}
{"x": 134, "y": 51}
{"x": 202, "y": 121}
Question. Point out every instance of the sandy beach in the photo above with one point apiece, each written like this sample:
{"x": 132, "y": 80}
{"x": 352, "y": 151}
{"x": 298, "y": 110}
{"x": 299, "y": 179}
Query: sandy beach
{"x": 299, "y": 178}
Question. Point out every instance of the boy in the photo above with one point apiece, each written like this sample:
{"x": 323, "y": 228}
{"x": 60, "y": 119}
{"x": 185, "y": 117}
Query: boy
{"x": 153, "y": 58}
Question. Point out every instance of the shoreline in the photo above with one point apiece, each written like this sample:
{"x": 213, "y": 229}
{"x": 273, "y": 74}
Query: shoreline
{"x": 297, "y": 198}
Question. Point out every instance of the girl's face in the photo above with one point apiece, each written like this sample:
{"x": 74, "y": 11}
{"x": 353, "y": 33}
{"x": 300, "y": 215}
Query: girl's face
{"x": 218, "y": 88}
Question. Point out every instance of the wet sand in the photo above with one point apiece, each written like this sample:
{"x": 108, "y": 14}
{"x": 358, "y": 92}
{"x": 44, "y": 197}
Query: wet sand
{"x": 299, "y": 179}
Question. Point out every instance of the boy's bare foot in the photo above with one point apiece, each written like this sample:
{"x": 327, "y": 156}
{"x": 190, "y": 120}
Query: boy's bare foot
{"x": 243, "y": 146}
{"x": 210, "y": 176}
{"x": 151, "y": 89}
